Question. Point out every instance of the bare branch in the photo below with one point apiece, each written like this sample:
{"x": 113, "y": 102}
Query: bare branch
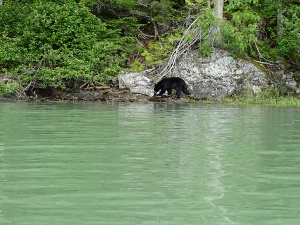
{"x": 260, "y": 55}
{"x": 182, "y": 46}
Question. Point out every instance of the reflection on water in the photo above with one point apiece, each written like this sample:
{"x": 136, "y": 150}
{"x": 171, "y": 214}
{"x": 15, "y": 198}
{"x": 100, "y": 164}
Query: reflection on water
{"x": 91, "y": 163}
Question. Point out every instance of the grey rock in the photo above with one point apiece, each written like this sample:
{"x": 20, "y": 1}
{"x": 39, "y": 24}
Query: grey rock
{"x": 219, "y": 75}
{"x": 136, "y": 82}
{"x": 214, "y": 77}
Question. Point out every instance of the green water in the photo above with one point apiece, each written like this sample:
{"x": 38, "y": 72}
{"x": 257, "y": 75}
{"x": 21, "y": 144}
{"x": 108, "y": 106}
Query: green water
{"x": 111, "y": 164}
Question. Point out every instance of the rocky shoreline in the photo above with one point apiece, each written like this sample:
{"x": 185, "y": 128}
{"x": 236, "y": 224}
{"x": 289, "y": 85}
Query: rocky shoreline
{"x": 97, "y": 94}
{"x": 219, "y": 75}
{"x": 212, "y": 78}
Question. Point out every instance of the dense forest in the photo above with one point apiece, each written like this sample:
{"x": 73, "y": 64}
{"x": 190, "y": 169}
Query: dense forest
{"x": 67, "y": 44}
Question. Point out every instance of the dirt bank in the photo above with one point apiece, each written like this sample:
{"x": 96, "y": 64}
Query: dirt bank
{"x": 105, "y": 93}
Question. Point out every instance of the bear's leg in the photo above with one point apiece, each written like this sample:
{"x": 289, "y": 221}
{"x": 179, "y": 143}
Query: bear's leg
{"x": 185, "y": 90}
{"x": 178, "y": 92}
{"x": 162, "y": 91}
{"x": 169, "y": 91}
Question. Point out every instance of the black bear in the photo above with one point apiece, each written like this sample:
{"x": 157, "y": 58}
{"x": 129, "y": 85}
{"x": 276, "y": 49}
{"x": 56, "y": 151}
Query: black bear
{"x": 167, "y": 84}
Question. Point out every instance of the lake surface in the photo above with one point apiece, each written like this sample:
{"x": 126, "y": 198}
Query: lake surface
{"x": 111, "y": 164}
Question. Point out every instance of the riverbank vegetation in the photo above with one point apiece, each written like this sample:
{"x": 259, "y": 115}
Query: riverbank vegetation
{"x": 258, "y": 100}
{"x": 85, "y": 43}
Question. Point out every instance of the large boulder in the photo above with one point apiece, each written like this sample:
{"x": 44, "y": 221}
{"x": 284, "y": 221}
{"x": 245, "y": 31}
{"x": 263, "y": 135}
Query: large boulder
{"x": 219, "y": 75}
{"x": 136, "y": 82}
{"x": 214, "y": 77}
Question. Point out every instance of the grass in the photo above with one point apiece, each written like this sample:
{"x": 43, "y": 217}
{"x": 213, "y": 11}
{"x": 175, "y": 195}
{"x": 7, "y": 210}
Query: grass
{"x": 279, "y": 101}
{"x": 269, "y": 96}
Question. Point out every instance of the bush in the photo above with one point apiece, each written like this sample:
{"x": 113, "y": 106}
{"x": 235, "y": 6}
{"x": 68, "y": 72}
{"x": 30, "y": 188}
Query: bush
{"x": 289, "y": 41}
{"x": 158, "y": 52}
{"x": 55, "y": 43}
{"x": 7, "y": 88}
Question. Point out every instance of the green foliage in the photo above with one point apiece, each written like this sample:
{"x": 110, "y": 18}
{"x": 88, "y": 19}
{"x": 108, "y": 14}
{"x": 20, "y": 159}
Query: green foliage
{"x": 121, "y": 4}
{"x": 279, "y": 30}
{"x": 239, "y": 34}
{"x": 297, "y": 75}
{"x": 289, "y": 41}
{"x": 205, "y": 48}
{"x": 7, "y": 88}
{"x": 159, "y": 51}
{"x": 270, "y": 92}
{"x": 137, "y": 66}
{"x": 55, "y": 43}
{"x": 206, "y": 21}
{"x": 193, "y": 2}
{"x": 280, "y": 101}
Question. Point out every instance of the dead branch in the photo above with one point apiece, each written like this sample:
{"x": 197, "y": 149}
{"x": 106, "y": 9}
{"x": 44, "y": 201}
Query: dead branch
{"x": 182, "y": 46}
{"x": 33, "y": 71}
{"x": 261, "y": 57}
{"x": 145, "y": 36}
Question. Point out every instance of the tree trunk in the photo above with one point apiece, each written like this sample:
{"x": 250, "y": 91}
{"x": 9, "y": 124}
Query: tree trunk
{"x": 279, "y": 20}
{"x": 215, "y": 36}
{"x": 219, "y": 5}
{"x": 1, "y": 2}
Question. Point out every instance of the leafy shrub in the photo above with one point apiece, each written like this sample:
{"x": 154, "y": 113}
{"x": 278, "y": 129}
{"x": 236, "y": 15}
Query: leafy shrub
{"x": 240, "y": 39}
{"x": 158, "y": 51}
{"x": 137, "y": 66}
{"x": 289, "y": 41}
{"x": 6, "y": 88}
{"x": 53, "y": 43}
